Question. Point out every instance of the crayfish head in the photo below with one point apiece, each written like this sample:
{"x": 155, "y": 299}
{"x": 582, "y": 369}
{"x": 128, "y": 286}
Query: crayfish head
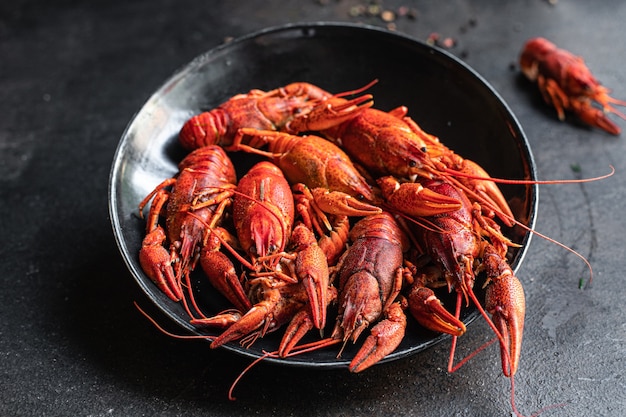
{"x": 361, "y": 305}
{"x": 264, "y": 235}
{"x": 534, "y": 51}
{"x": 409, "y": 157}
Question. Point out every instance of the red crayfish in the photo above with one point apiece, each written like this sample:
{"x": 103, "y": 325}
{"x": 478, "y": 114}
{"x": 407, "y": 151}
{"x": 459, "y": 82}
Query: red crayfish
{"x": 193, "y": 207}
{"x": 271, "y": 110}
{"x": 567, "y": 84}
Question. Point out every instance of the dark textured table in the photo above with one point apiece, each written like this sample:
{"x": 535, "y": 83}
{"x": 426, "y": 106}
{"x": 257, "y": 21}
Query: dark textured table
{"x": 71, "y": 341}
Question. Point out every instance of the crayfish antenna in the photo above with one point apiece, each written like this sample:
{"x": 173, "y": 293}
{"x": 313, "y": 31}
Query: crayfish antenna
{"x": 358, "y": 90}
{"x": 245, "y": 371}
{"x": 166, "y": 332}
{"x": 533, "y": 182}
{"x": 309, "y": 347}
{"x": 513, "y": 221}
{"x": 559, "y": 244}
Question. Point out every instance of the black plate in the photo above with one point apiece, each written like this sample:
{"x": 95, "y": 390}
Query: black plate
{"x": 445, "y": 96}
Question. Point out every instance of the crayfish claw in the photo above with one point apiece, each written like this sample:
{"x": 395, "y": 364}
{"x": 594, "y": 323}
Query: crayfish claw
{"x": 505, "y": 301}
{"x": 222, "y": 320}
{"x": 342, "y": 204}
{"x": 156, "y": 262}
{"x": 384, "y": 338}
{"x": 413, "y": 199}
{"x": 596, "y": 117}
{"x": 258, "y": 316}
{"x": 222, "y": 275}
{"x": 312, "y": 269}
{"x": 316, "y": 293}
{"x": 298, "y": 327}
{"x": 428, "y": 310}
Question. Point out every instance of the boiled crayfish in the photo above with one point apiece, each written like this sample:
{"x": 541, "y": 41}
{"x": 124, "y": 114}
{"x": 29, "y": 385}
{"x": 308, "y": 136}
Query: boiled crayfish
{"x": 194, "y": 203}
{"x": 567, "y": 84}
{"x": 268, "y": 110}
{"x": 279, "y": 244}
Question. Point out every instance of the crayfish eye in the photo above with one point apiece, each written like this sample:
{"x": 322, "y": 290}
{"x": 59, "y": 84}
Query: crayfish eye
{"x": 412, "y": 163}
{"x": 423, "y": 149}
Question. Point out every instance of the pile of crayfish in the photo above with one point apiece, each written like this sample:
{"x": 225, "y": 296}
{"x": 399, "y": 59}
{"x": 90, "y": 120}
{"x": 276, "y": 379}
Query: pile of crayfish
{"x": 350, "y": 208}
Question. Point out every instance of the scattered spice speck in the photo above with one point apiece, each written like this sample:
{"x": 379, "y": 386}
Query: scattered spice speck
{"x": 388, "y": 16}
{"x": 435, "y": 39}
{"x": 575, "y": 168}
{"x": 448, "y": 43}
{"x": 373, "y": 9}
{"x": 358, "y": 10}
{"x": 376, "y": 9}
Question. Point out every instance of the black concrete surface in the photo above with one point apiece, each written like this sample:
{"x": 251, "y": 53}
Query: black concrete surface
{"x": 72, "y": 74}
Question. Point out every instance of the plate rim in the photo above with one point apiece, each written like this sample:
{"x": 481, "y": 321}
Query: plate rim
{"x": 303, "y": 27}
